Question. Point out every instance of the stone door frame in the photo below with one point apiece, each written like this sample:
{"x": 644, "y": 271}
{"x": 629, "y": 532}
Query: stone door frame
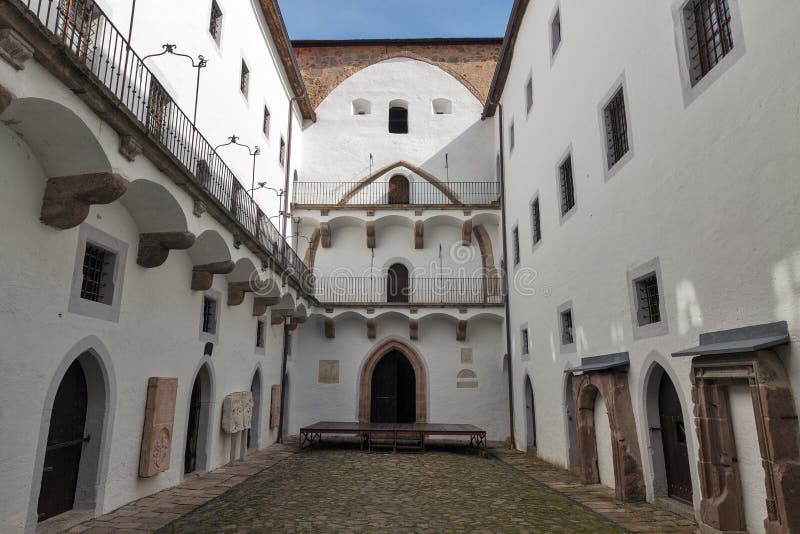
{"x": 367, "y": 369}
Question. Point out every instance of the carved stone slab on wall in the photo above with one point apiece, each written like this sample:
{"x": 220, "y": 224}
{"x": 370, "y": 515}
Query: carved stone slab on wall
{"x": 159, "y": 417}
{"x": 467, "y": 379}
{"x": 275, "y": 407}
{"x": 328, "y": 372}
{"x": 237, "y": 412}
{"x": 466, "y": 355}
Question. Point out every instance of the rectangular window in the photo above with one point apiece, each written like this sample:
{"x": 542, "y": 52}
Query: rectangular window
{"x": 215, "y": 24}
{"x": 511, "y": 138}
{"x": 265, "y": 124}
{"x": 555, "y": 33}
{"x": 647, "y": 300}
{"x": 709, "y": 35}
{"x": 567, "y": 186}
{"x": 244, "y": 81}
{"x": 536, "y": 221}
{"x": 525, "y": 344}
{"x": 515, "y": 244}
{"x": 616, "y": 128}
{"x": 98, "y": 274}
{"x": 260, "y": 334}
{"x": 282, "y": 152}
{"x": 566, "y": 328}
{"x": 529, "y": 95}
{"x": 209, "y": 315}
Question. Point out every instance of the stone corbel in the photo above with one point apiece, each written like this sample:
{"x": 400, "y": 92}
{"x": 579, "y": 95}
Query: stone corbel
{"x": 292, "y": 325}
{"x": 260, "y": 305}
{"x": 461, "y": 331}
{"x": 154, "y": 247}
{"x": 325, "y": 235}
{"x": 370, "y": 328}
{"x": 466, "y": 233}
{"x": 6, "y": 97}
{"x": 413, "y": 329}
{"x": 129, "y": 147}
{"x": 14, "y": 49}
{"x": 419, "y": 235}
{"x": 203, "y": 275}
{"x": 330, "y": 328}
{"x": 67, "y": 199}
{"x": 277, "y": 319}
{"x": 370, "y": 234}
{"x": 236, "y": 290}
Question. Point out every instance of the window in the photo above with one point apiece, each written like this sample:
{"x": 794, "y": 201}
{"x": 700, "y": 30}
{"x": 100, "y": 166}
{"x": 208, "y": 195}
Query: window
{"x": 536, "y": 221}
{"x": 529, "y": 95}
{"x": 567, "y": 186}
{"x": 515, "y": 244}
{"x": 511, "y": 138}
{"x": 209, "y": 315}
{"x": 244, "y": 81}
{"x": 566, "y": 328}
{"x": 98, "y": 274}
{"x": 260, "y": 334}
{"x": 709, "y": 35}
{"x": 361, "y": 107}
{"x": 442, "y": 106}
{"x": 616, "y": 128}
{"x": 265, "y": 123}
{"x": 647, "y": 300}
{"x": 555, "y": 33}
{"x": 282, "y": 152}
{"x": 398, "y": 117}
{"x": 215, "y": 24}
{"x": 525, "y": 344}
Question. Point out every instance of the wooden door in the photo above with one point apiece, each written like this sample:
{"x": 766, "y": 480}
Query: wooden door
{"x": 530, "y": 415}
{"x": 65, "y": 441}
{"x": 673, "y": 438}
{"x": 397, "y": 283}
{"x": 399, "y": 190}
{"x": 193, "y": 431}
{"x": 393, "y": 390}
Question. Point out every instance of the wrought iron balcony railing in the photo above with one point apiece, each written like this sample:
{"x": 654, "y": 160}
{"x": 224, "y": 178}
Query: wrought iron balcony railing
{"x": 85, "y": 30}
{"x": 419, "y": 290}
{"x": 383, "y": 193}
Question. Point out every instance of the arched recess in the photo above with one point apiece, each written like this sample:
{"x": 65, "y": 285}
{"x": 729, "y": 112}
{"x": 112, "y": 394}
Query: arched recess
{"x": 425, "y": 175}
{"x": 256, "y": 388}
{"x": 244, "y": 278}
{"x": 210, "y": 255}
{"x": 530, "y": 415}
{"x": 95, "y": 364}
{"x": 199, "y": 419}
{"x": 368, "y": 367}
{"x": 492, "y": 281}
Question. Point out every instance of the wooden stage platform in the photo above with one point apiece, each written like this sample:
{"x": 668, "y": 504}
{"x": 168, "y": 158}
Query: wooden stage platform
{"x": 391, "y": 435}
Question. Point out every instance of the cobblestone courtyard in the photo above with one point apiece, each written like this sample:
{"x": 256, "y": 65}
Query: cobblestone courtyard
{"x": 344, "y": 489}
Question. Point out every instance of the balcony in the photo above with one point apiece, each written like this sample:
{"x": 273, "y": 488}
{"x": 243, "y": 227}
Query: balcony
{"x": 377, "y": 291}
{"x": 104, "y": 55}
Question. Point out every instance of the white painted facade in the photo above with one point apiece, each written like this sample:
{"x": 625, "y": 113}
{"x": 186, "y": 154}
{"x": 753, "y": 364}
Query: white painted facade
{"x": 707, "y": 189}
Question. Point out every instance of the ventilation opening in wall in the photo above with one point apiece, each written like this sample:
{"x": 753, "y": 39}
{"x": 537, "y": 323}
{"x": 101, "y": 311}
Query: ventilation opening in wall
{"x": 361, "y": 107}
{"x": 442, "y": 106}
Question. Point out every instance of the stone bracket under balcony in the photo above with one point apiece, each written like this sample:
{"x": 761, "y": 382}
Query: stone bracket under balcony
{"x": 67, "y": 199}
{"x": 203, "y": 275}
{"x": 237, "y": 290}
{"x": 261, "y": 304}
{"x": 14, "y": 49}
{"x": 154, "y": 247}
{"x": 6, "y": 97}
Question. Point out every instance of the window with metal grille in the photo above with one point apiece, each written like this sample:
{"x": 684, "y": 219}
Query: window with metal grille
{"x": 709, "y": 35}
{"x": 616, "y": 128}
{"x": 265, "y": 123}
{"x": 515, "y": 239}
{"x": 260, "y": 334}
{"x": 536, "y": 221}
{"x": 215, "y": 24}
{"x": 244, "y": 80}
{"x": 282, "y": 152}
{"x": 398, "y": 120}
{"x": 566, "y": 328}
{"x": 647, "y": 300}
{"x": 529, "y": 95}
{"x": 97, "y": 284}
{"x": 209, "y": 315}
{"x": 525, "y": 344}
{"x": 567, "y": 186}
{"x": 511, "y": 138}
{"x": 555, "y": 33}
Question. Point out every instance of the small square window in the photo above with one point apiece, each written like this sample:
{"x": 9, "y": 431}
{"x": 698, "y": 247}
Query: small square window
{"x": 265, "y": 122}
{"x": 260, "y": 334}
{"x": 525, "y": 342}
{"x": 709, "y": 34}
{"x": 215, "y": 24}
{"x": 616, "y": 125}
{"x": 647, "y": 299}
{"x": 515, "y": 238}
{"x": 97, "y": 284}
{"x": 282, "y": 153}
{"x": 567, "y": 186}
{"x": 529, "y": 95}
{"x": 511, "y": 138}
{"x": 209, "y": 315}
{"x": 567, "y": 337}
{"x": 555, "y": 33}
{"x": 244, "y": 80}
{"x": 536, "y": 221}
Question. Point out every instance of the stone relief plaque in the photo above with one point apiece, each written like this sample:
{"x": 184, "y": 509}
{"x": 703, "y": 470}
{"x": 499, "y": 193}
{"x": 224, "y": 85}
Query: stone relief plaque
{"x": 466, "y": 355}
{"x": 159, "y": 418}
{"x": 237, "y": 412}
{"x": 328, "y": 372}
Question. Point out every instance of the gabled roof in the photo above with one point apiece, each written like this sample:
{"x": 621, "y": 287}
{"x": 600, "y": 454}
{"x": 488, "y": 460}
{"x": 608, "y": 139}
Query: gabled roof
{"x": 506, "y": 55}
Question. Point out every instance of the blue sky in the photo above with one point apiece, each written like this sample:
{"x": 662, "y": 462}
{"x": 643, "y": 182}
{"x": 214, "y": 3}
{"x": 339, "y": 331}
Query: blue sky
{"x": 370, "y": 19}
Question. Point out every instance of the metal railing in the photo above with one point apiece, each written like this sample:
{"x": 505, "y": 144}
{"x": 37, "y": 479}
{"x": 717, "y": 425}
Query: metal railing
{"x": 377, "y": 193}
{"x": 420, "y": 290}
{"x": 85, "y": 30}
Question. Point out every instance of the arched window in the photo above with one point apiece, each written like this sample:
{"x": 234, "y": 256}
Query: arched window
{"x": 399, "y": 190}
{"x": 442, "y": 106}
{"x": 398, "y": 117}
{"x": 397, "y": 283}
{"x": 361, "y": 107}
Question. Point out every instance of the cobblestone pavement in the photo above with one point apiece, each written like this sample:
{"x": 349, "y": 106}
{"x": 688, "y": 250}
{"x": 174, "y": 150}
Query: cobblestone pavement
{"x": 344, "y": 489}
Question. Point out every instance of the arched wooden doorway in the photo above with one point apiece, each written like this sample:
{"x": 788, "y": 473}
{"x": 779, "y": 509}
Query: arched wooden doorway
{"x": 254, "y": 433}
{"x": 397, "y": 283}
{"x": 673, "y": 440}
{"x": 65, "y": 442}
{"x": 195, "y": 454}
{"x": 393, "y": 390}
{"x": 399, "y": 190}
{"x": 394, "y": 356}
{"x": 530, "y": 415}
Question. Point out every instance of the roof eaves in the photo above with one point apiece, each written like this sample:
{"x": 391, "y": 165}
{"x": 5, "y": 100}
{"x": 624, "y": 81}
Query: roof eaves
{"x": 506, "y": 54}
